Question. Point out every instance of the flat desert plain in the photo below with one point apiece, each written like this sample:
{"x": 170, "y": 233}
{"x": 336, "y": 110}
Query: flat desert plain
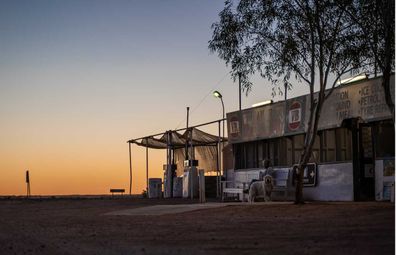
{"x": 123, "y": 225}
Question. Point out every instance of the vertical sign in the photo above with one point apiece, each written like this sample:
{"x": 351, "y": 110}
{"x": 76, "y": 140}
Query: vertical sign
{"x": 234, "y": 125}
{"x": 295, "y": 115}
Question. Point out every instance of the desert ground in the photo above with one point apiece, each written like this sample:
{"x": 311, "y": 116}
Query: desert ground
{"x": 88, "y": 225}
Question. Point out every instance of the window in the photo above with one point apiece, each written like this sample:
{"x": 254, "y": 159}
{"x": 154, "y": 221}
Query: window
{"x": 273, "y": 154}
{"x": 261, "y": 153}
{"x": 289, "y": 151}
{"x": 285, "y": 152}
{"x": 298, "y": 142}
{"x": 239, "y": 156}
{"x": 251, "y": 155}
{"x": 385, "y": 140}
{"x": 344, "y": 144}
{"x": 328, "y": 144}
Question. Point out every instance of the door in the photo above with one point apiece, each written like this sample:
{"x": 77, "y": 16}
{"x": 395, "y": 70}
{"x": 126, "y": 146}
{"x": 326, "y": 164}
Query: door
{"x": 366, "y": 183}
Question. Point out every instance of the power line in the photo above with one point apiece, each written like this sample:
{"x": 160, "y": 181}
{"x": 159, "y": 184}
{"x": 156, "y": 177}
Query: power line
{"x": 203, "y": 99}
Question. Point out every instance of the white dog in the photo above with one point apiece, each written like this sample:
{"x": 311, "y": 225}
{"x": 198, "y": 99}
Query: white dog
{"x": 261, "y": 188}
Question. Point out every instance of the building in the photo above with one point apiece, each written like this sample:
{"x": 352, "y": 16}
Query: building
{"x": 354, "y": 153}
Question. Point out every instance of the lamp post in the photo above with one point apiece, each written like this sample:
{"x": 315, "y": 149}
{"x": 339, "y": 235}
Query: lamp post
{"x": 218, "y": 95}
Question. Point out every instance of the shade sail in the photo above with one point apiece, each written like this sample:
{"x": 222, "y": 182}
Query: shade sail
{"x": 175, "y": 139}
{"x": 151, "y": 143}
{"x": 194, "y": 137}
{"x": 200, "y": 138}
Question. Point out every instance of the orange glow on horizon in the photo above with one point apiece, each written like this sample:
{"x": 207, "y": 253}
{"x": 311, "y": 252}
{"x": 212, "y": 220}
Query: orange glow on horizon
{"x": 70, "y": 174}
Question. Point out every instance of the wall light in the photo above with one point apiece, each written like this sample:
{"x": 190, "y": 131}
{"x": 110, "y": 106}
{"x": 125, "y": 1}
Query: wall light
{"x": 263, "y": 103}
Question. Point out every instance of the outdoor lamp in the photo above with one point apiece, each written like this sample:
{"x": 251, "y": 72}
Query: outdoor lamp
{"x": 217, "y": 94}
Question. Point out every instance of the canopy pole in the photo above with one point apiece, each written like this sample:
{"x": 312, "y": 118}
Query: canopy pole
{"x": 192, "y": 157}
{"x": 170, "y": 166}
{"x": 188, "y": 110}
{"x": 147, "y": 178}
{"x": 130, "y": 170}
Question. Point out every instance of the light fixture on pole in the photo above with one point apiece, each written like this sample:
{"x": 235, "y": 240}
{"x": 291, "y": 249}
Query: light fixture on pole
{"x": 218, "y": 95}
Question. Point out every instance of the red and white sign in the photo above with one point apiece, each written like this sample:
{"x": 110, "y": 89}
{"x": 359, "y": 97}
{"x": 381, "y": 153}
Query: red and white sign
{"x": 295, "y": 115}
{"x": 234, "y": 127}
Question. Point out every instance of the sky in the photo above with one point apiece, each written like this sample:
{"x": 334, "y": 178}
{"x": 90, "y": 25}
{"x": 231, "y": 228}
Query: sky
{"x": 79, "y": 78}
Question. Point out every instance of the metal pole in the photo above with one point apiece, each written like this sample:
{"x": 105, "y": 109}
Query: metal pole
{"x": 170, "y": 164}
{"x": 130, "y": 170}
{"x": 191, "y": 167}
{"x": 240, "y": 89}
{"x": 166, "y": 174}
{"x": 186, "y": 157}
{"x": 218, "y": 163}
{"x": 147, "y": 166}
{"x": 218, "y": 167}
{"x": 222, "y": 143}
{"x": 285, "y": 91}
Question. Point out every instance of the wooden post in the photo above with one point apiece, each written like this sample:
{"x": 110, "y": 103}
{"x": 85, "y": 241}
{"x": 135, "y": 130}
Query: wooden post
{"x": 27, "y": 184}
{"x": 202, "y": 198}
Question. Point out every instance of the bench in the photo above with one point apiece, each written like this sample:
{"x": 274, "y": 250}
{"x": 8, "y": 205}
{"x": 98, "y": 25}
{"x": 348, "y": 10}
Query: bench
{"x": 122, "y": 191}
{"x": 282, "y": 181}
{"x": 233, "y": 190}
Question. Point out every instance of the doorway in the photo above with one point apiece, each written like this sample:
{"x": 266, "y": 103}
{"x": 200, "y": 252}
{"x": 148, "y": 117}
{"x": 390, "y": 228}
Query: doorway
{"x": 366, "y": 164}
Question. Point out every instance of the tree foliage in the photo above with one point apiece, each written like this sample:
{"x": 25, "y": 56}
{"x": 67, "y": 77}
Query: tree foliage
{"x": 315, "y": 42}
{"x": 376, "y": 22}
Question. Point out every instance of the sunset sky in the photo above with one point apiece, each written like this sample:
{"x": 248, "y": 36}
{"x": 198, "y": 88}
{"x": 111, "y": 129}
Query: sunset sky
{"x": 80, "y": 78}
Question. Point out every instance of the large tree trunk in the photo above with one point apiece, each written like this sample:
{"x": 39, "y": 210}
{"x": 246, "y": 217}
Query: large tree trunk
{"x": 306, "y": 155}
{"x": 304, "y": 159}
{"x": 316, "y": 108}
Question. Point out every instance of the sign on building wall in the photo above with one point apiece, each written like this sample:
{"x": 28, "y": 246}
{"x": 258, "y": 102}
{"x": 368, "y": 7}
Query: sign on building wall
{"x": 256, "y": 123}
{"x": 295, "y": 115}
{"x": 310, "y": 175}
{"x": 365, "y": 100}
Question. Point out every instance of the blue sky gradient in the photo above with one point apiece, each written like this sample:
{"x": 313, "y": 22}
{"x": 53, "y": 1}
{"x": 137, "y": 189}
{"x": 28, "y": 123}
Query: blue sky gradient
{"x": 79, "y": 78}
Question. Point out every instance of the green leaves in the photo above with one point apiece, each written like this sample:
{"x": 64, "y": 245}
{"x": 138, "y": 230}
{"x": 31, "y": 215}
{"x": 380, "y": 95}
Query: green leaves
{"x": 285, "y": 38}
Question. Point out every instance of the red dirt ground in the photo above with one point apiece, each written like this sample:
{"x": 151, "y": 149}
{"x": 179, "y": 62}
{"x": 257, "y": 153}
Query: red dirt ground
{"x": 79, "y": 226}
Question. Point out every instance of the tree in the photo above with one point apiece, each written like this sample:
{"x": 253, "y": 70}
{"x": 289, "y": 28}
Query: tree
{"x": 376, "y": 22}
{"x": 312, "y": 41}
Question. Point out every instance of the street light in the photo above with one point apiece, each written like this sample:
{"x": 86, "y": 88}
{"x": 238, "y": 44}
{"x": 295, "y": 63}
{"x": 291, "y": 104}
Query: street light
{"x": 218, "y": 95}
